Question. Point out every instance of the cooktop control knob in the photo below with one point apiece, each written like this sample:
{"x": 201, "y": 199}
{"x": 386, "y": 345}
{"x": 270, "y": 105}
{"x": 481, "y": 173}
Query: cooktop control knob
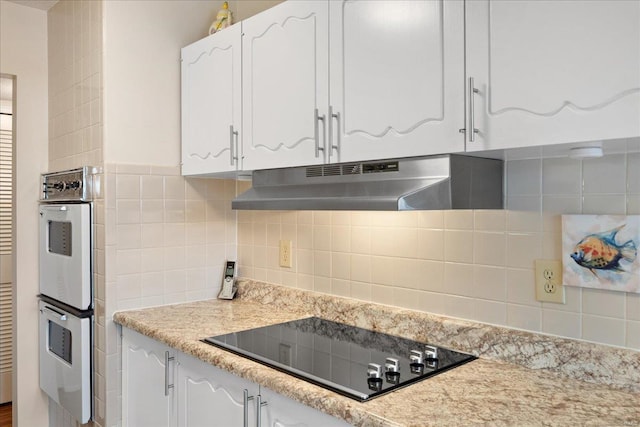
{"x": 415, "y": 356}
{"x": 391, "y": 364}
{"x": 431, "y": 352}
{"x": 374, "y": 370}
{"x": 431, "y": 356}
{"x": 392, "y": 370}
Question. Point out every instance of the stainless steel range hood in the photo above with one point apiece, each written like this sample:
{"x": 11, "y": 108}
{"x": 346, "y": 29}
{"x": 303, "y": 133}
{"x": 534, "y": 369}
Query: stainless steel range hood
{"x": 419, "y": 183}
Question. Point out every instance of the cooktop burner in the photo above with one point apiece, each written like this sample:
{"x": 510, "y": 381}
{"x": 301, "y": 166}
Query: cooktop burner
{"x": 352, "y": 361}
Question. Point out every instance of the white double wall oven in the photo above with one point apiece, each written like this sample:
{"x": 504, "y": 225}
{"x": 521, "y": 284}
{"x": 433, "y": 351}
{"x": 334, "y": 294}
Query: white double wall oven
{"x": 66, "y": 290}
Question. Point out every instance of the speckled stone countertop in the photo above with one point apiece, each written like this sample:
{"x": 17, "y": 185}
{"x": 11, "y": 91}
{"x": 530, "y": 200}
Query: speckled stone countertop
{"x": 513, "y": 382}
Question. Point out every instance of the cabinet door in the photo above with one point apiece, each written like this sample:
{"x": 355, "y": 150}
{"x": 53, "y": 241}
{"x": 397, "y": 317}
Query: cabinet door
{"x": 147, "y": 398}
{"x": 552, "y": 72}
{"x": 211, "y": 103}
{"x": 396, "y": 73}
{"x": 281, "y": 411}
{"x": 211, "y": 397}
{"x": 285, "y": 79}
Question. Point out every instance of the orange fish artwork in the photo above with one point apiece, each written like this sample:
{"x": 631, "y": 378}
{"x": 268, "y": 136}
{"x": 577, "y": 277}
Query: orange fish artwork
{"x": 601, "y": 252}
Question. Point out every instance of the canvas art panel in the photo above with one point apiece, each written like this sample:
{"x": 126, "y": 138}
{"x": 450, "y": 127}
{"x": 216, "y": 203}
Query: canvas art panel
{"x": 601, "y": 251}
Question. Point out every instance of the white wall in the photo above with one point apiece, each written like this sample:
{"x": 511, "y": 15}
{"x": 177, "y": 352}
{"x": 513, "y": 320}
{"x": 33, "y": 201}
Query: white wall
{"x": 142, "y": 41}
{"x": 23, "y": 52}
{"x": 243, "y": 9}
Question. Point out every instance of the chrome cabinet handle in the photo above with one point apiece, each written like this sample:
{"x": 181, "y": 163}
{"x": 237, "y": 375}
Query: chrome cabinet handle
{"x": 318, "y": 118}
{"x": 472, "y": 92}
{"x": 167, "y": 359}
{"x": 245, "y": 407}
{"x": 233, "y": 138}
{"x": 259, "y": 405}
{"x": 336, "y": 147}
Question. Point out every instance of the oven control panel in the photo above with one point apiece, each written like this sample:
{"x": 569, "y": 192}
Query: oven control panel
{"x": 72, "y": 185}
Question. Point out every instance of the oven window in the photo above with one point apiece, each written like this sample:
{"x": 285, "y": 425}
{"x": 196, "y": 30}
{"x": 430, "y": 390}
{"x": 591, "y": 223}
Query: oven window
{"x": 60, "y": 237}
{"x": 60, "y": 341}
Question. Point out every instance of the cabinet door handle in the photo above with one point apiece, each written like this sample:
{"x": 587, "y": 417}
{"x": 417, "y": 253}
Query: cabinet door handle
{"x": 245, "y": 407}
{"x": 472, "y": 121}
{"x": 259, "y": 405}
{"x": 318, "y": 118}
{"x": 233, "y": 142}
{"x": 167, "y": 359}
{"x": 336, "y": 147}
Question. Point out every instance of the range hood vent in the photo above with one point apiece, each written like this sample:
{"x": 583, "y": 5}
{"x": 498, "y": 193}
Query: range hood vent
{"x": 420, "y": 183}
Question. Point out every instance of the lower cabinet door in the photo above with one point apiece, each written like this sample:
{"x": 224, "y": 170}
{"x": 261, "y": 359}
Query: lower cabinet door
{"x": 209, "y": 396}
{"x": 280, "y": 411}
{"x": 147, "y": 382}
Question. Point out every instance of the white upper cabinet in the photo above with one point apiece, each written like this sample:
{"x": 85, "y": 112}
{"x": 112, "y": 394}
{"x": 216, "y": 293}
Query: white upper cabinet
{"x": 212, "y": 103}
{"x": 552, "y": 72}
{"x": 313, "y": 82}
{"x": 396, "y": 73}
{"x": 285, "y": 85}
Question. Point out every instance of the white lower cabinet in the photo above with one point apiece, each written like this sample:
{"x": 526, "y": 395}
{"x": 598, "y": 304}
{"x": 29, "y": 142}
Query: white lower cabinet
{"x": 148, "y": 390}
{"x": 208, "y": 396}
{"x": 202, "y": 395}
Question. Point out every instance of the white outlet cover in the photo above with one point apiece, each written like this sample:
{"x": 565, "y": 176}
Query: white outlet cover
{"x": 548, "y": 281}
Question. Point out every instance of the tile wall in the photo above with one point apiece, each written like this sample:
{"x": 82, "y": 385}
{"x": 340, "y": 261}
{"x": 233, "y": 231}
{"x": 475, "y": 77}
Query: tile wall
{"x": 75, "y": 84}
{"x": 74, "y": 32}
{"x": 475, "y": 265}
{"x": 166, "y": 239}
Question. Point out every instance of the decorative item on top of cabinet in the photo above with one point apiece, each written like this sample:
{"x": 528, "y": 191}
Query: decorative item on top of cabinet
{"x": 211, "y": 103}
{"x": 551, "y": 72}
{"x": 224, "y": 18}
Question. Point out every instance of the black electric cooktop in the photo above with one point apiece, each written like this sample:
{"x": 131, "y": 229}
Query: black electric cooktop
{"x": 352, "y": 361}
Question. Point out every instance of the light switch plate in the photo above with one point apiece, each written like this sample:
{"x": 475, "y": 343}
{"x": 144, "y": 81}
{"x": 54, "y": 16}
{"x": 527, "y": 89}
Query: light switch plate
{"x": 548, "y": 280}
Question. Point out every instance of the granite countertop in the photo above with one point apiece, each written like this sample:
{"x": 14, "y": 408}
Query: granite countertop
{"x": 484, "y": 391}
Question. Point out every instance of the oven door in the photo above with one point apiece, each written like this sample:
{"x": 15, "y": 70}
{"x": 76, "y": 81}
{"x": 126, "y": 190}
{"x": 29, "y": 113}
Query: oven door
{"x": 65, "y": 253}
{"x": 65, "y": 359}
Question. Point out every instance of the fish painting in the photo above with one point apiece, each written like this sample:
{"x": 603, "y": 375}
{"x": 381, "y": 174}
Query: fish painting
{"x": 601, "y": 252}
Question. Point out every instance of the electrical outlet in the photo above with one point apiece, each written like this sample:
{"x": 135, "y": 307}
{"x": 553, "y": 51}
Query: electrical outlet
{"x": 285, "y": 253}
{"x": 548, "y": 275}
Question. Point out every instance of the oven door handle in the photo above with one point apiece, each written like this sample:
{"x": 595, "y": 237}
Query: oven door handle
{"x": 57, "y": 314}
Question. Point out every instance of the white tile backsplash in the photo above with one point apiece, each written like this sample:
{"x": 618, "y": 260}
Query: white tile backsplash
{"x": 524, "y": 177}
{"x": 604, "y": 204}
{"x": 458, "y": 246}
{"x": 524, "y": 317}
{"x": 471, "y": 264}
{"x": 604, "y": 330}
{"x": 561, "y": 176}
{"x": 633, "y": 335}
{"x": 458, "y": 220}
{"x": 605, "y": 175}
{"x": 603, "y": 303}
{"x": 562, "y": 323}
{"x": 489, "y": 248}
